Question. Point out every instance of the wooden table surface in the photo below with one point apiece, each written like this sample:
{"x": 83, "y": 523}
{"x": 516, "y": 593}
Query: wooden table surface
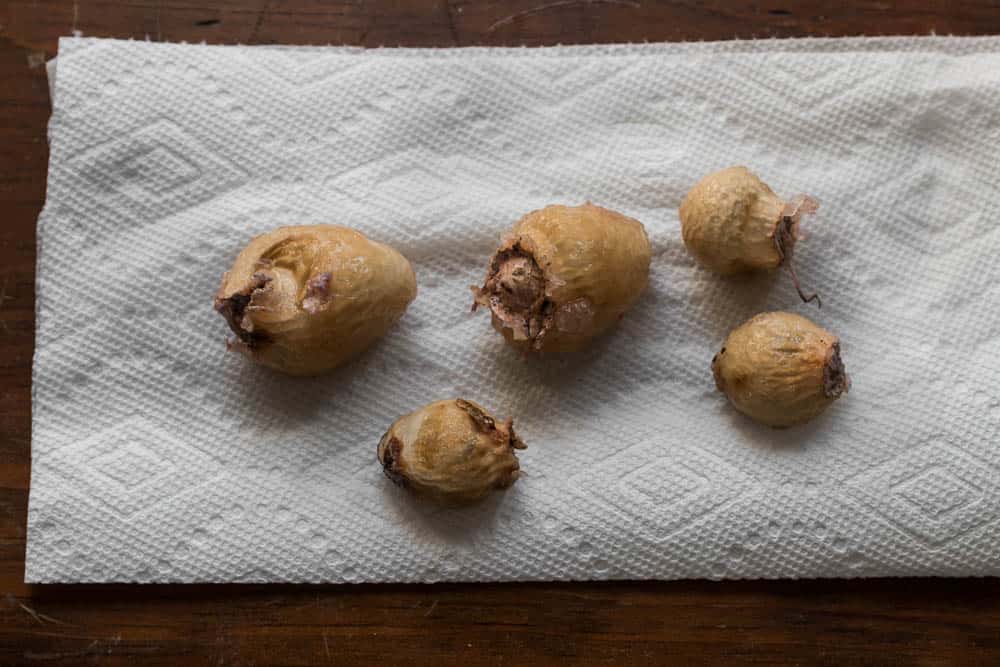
{"x": 801, "y": 622}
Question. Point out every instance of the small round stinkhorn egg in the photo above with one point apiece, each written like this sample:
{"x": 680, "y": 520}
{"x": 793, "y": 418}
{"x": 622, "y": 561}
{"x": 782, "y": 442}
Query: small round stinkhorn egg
{"x": 304, "y": 300}
{"x": 565, "y": 275}
{"x": 732, "y": 222}
{"x": 780, "y": 369}
{"x": 453, "y": 452}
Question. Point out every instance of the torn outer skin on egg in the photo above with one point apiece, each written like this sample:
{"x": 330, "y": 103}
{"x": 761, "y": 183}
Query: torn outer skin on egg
{"x": 515, "y": 292}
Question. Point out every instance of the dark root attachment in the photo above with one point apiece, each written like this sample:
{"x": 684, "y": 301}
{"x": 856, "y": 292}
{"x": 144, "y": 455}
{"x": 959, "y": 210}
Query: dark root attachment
{"x": 835, "y": 379}
{"x": 233, "y": 308}
{"x": 389, "y": 449}
{"x": 787, "y": 234}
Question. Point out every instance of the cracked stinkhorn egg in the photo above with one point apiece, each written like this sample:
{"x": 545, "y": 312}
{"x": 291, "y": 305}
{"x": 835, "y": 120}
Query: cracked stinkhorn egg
{"x": 306, "y": 299}
{"x": 452, "y": 452}
{"x": 565, "y": 275}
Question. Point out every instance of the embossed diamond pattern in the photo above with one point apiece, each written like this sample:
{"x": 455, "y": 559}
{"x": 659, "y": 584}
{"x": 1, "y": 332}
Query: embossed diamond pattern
{"x": 129, "y": 464}
{"x": 934, "y": 492}
{"x": 130, "y": 467}
{"x": 938, "y": 492}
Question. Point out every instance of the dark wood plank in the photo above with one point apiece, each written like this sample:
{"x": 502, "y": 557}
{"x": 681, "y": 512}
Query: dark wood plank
{"x": 828, "y": 622}
{"x": 916, "y": 622}
{"x": 35, "y": 26}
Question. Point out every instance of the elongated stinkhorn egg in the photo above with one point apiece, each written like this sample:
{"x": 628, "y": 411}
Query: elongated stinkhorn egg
{"x": 306, "y": 299}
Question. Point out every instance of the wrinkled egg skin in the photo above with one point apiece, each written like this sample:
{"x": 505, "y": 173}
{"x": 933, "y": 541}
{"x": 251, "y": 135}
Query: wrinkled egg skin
{"x": 304, "y": 300}
{"x": 586, "y": 265}
{"x": 728, "y": 222}
{"x": 452, "y": 452}
{"x": 780, "y": 369}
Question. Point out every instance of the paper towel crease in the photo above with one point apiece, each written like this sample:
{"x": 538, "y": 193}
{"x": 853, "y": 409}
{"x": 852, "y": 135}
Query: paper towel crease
{"x": 158, "y": 456}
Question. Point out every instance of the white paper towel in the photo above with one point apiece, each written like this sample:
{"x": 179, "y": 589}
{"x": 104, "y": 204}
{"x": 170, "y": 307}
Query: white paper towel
{"x": 158, "y": 456}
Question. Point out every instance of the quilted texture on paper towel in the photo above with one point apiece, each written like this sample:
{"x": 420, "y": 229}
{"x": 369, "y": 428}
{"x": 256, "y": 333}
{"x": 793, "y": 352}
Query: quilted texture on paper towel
{"x": 158, "y": 456}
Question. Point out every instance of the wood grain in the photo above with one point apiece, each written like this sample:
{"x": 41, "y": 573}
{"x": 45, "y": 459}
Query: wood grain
{"x": 928, "y": 622}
